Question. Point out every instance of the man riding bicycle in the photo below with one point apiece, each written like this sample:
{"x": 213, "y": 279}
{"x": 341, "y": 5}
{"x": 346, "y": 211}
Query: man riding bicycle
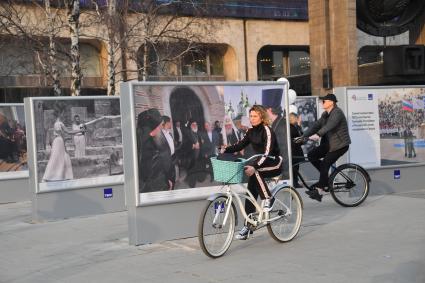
{"x": 332, "y": 129}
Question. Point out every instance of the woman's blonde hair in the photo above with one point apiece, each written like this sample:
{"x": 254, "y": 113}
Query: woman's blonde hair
{"x": 265, "y": 119}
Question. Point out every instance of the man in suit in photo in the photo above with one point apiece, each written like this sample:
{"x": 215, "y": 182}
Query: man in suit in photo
{"x": 178, "y": 135}
{"x": 210, "y": 141}
{"x": 165, "y": 143}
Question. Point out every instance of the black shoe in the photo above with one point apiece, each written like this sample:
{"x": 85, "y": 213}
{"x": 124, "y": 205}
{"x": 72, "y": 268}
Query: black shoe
{"x": 316, "y": 185}
{"x": 310, "y": 192}
{"x": 315, "y": 195}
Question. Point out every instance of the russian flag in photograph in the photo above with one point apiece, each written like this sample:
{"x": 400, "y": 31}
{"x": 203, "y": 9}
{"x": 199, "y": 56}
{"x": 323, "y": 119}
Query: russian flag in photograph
{"x": 407, "y": 105}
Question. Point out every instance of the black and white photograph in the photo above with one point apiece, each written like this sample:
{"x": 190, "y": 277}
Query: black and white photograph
{"x": 307, "y": 114}
{"x": 179, "y": 128}
{"x": 77, "y": 141}
{"x": 13, "y": 141}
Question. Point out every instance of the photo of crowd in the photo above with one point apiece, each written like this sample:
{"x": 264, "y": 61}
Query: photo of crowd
{"x": 179, "y": 128}
{"x": 13, "y": 142}
{"x": 402, "y": 125}
{"x": 307, "y": 113}
{"x": 77, "y": 139}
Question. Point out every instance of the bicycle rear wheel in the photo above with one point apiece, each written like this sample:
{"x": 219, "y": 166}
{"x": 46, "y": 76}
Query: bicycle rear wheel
{"x": 349, "y": 185}
{"x": 214, "y": 235}
{"x": 288, "y": 208}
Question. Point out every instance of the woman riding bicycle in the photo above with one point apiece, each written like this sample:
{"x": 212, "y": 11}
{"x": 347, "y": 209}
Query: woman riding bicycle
{"x": 263, "y": 141}
{"x": 332, "y": 128}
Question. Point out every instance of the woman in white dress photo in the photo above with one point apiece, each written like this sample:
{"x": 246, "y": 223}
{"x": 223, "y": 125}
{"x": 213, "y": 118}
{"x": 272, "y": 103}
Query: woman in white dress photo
{"x": 59, "y": 166}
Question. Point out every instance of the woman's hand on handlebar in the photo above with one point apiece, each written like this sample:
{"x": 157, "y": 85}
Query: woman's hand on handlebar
{"x": 314, "y": 137}
{"x": 303, "y": 139}
{"x": 249, "y": 170}
{"x": 223, "y": 149}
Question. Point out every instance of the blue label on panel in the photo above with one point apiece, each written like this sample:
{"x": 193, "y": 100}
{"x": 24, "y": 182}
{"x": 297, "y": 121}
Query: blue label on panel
{"x": 107, "y": 193}
{"x": 370, "y": 96}
{"x": 397, "y": 174}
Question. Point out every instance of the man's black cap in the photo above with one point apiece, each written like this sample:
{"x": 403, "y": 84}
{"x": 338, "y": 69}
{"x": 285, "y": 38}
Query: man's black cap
{"x": 329, "y": 96}
{"x": 150, "y": 119}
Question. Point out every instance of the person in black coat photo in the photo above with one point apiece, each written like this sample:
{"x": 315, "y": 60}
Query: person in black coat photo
{"x": 151, "y": 176}
{"x": 271, "y": 99}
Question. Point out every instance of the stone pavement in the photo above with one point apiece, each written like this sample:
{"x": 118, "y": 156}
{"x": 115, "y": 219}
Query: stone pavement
{"x": 383, "y": 240}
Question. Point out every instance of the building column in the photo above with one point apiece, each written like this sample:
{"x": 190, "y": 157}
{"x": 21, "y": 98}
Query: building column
{"x": 333, "y": 43}
{"x": 421, "y": 38}
{"x": 418, "y": 32}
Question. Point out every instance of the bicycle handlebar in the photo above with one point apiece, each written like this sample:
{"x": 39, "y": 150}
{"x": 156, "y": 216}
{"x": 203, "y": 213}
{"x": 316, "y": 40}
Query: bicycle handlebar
{"x": 260, "y": 155}
{"x": 300, "y": 139}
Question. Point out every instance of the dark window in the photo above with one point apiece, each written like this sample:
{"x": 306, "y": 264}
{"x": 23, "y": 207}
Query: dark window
{"x": 370, "y": 54}
{"x": 281, "y": 61}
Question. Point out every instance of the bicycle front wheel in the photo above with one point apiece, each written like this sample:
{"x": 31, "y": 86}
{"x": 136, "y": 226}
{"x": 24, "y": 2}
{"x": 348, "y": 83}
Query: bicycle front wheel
{"x": 286, "y": 215}
{"x": 349, "y": 185}
{"x": 215, "y": 233}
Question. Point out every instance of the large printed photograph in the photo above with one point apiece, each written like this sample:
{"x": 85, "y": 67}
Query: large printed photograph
{"x": 179, "y": 128}
{"x": 78, "y": 142}
{"x": 402, "y": 125}
{"x": 13, "y": 142}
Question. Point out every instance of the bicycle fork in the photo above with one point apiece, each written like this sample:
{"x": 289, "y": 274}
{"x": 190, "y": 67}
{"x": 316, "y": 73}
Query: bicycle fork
{"x": 218, "y": 210}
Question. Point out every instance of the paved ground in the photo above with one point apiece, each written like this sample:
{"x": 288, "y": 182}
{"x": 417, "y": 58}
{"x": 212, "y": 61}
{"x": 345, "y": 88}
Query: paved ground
{"x": 381, "y": 241}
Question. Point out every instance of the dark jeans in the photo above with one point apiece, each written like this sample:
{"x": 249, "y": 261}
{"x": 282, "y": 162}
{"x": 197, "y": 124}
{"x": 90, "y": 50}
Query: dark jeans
{"x": 323, "y": 165}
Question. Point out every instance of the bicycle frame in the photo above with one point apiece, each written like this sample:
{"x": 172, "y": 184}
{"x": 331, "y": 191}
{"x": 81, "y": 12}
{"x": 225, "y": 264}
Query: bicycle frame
{"x": 263, "y": 216}
{"x": 333, "y": 168}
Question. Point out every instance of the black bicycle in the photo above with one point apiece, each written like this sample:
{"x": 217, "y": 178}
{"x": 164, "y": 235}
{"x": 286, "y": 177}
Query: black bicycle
{"x": 348, "y": 183}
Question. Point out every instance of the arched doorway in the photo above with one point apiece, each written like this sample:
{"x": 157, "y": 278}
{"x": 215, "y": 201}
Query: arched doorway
{"x": 185, "y": 105}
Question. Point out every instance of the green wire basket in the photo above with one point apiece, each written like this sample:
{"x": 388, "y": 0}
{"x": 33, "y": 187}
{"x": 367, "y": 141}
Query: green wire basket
{"x": 231, "y": 172}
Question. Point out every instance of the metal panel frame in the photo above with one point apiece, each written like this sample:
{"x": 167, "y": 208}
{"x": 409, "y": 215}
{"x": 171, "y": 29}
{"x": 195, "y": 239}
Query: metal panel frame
{"x": 130, "y": 143}
{"x": 21, "y": 174}
{"x": 341, "y": 92}
{"x": 67, "y": 202}
{"x": 32, "y": 148}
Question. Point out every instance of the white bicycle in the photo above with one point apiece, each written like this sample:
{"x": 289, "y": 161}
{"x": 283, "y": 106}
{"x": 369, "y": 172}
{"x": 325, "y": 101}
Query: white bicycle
{"x": 219, "y": 218}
